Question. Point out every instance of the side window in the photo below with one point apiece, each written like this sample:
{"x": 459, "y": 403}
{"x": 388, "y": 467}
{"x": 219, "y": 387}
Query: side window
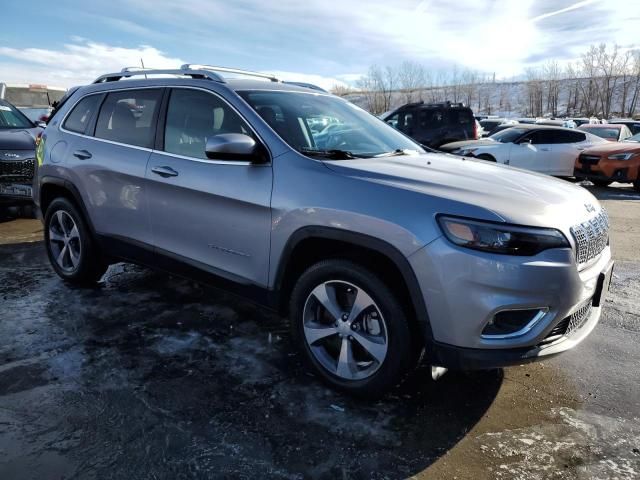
{"x": 393, "y": 120}
{"x": 569, "y": 137}
{"x": 129, "y": 116}
{"x": 405, "y": 123}
{"x": 430, "y": 119}
{"x": 543, "y": 137}
{"x": 193, "y": 116}
{"x": 81, "y": 114}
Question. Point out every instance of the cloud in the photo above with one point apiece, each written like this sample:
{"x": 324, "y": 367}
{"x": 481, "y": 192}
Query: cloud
{"x": 76, "y": 63}
{"x": 82, "y": 61}
{"x": 336, "y": 41}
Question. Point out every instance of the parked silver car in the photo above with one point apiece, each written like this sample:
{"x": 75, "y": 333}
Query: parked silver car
{"x": 376, "y": 250}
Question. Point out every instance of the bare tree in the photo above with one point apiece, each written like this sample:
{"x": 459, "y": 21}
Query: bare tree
{"x": 411, "y": 80}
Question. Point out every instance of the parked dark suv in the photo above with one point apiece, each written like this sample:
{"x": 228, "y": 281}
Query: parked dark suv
{"x": 434, "y": 124}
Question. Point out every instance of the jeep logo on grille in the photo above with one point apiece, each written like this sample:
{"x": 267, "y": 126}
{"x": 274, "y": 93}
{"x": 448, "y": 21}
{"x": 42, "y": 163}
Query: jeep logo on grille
{"x": 589, "y": 207}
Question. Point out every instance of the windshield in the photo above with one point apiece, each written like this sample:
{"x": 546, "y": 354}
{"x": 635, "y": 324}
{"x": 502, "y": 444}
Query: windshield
{"x": 509, "y": 135}
{"x": 635, "y": 138}
{"x": 11, "y": 117}
{"x": 321, "y": 123}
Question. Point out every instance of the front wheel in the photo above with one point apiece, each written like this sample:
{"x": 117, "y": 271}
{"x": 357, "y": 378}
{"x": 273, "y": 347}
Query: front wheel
{"x": 486, "y": 157}
{"x": 636, "y": 185}
{"x": 71, "y": 249}
{"x": 350, "y": 327}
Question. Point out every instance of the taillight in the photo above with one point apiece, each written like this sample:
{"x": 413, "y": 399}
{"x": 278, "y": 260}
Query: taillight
{"x": 475, "y": 130}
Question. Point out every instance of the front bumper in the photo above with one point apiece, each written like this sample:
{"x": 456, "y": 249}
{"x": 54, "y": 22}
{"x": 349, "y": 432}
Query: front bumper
{"x": 464, "y": 289}
{"x": 13, "y": 194}
{"x": 623, "y": 171}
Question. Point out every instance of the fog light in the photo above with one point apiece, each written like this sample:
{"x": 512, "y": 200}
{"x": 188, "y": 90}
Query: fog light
{"x": 513, "y": 323}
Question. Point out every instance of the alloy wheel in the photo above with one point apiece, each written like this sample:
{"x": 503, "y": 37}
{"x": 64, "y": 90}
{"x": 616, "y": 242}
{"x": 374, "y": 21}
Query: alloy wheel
{"x": 64, "y": 241}
{"x": 345, "y": 330}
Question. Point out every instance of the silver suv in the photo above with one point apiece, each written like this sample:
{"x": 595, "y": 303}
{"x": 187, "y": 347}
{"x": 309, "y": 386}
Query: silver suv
{"x": 377, "y": 251}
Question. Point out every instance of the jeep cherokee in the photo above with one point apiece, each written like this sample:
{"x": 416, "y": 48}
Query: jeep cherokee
{"x": 377, "y": 251}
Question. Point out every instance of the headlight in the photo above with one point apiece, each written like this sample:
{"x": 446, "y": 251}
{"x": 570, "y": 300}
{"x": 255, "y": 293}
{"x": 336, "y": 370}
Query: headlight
{"x": 499, "y": 238}
{"x": 621, "y": 156}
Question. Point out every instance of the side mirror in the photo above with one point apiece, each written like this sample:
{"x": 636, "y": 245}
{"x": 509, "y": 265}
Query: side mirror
{"x": 41, "y": 124}
{"x": 527, "y": 141}
{"x": 233, "y": 146}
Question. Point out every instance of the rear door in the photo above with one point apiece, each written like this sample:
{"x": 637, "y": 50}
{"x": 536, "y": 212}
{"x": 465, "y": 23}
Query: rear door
{"x": 212, "y": 214}
{"x": 567, "y": 147}
{"x": 109, "y": 162}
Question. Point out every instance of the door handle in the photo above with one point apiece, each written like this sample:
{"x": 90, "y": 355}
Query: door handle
{"x": 545, "y": 149}
{"x": 165, "y": 171}
{"x": 82, "y": 154}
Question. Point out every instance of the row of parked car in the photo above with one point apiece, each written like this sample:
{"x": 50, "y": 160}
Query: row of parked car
{"x": 601, "y": 152}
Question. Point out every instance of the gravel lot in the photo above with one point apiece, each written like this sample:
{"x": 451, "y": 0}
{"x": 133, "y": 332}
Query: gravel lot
{"x": 151, "y": 376}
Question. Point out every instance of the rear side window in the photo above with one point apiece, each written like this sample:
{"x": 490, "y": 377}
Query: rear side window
{"x": 193, "y": 116}
{"x": 569, "y": 137}
{"x": 431, "y": 119}
{"x": 460, "y": 117}
{"x": 81, "y": 114}
{"x": 129, "y": 117}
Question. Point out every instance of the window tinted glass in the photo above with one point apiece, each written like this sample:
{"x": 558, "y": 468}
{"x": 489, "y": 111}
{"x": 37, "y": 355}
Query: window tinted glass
{"x": 81, "y": 114}
{"x": 128, "y": 117}
{"x": 194, "y": 116}
{"x": 431, "y": 119}
{"x": 508, "y": 135}
{"x": 569, "y": 137}
{"x": 543, "y": 137}
{"x": 460, "y": 117}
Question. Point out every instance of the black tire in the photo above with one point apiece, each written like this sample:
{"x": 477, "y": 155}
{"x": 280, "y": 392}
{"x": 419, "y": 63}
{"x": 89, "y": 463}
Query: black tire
{"x": 400, "y": 354}
{"x": 636, "y": 185}
{"x": 601, "y": 183}
{"x": 89, "y": 266}
{"x": 486, "y": 157}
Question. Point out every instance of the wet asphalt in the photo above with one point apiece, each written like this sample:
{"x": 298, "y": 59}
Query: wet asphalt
{"x": 149, "y": 376}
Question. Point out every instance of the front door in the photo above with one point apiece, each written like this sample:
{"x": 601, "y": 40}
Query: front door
{"x": 212, "y": 214}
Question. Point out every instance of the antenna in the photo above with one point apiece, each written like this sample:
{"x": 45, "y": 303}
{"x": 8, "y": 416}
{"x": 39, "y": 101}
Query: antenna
{"x": 142, "y": 63}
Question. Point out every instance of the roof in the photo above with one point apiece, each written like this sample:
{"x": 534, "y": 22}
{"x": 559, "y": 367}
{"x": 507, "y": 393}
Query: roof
{"x": 537, "y": 126}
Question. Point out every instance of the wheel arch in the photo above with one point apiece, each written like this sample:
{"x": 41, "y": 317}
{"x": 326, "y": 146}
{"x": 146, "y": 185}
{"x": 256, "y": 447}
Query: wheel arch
{"x": 309, "y": 245}
{"x": 54, "y": 187}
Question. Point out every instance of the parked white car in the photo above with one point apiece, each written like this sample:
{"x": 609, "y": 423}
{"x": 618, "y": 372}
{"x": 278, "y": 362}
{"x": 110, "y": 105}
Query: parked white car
{"x": 544, "y": 149}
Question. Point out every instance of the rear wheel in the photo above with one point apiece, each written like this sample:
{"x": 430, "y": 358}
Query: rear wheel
{"x": 350, "y": 328}
{"x": 636, "y": 185}
{"x": 71, "y": 249}
{"x": 601, "y": 183}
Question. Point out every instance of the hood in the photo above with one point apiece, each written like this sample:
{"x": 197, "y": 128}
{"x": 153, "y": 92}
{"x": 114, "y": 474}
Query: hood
{"x": 610, "y": 148}
{"x": 18, "y": 138}
{"x": 504, "y": 193}
{"x": 450, "y": 147}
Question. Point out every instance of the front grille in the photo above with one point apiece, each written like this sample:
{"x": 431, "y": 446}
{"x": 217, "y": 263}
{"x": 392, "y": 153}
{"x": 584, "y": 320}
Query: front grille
{"x": 589, "y": 159}
{"x": 19, "y": 171}
{"x": 591, "y": 237}
{"x": 570, "y": 324}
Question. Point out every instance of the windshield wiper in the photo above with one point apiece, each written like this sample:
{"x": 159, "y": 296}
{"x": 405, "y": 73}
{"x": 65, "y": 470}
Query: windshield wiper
{"x": 333, "y": 154}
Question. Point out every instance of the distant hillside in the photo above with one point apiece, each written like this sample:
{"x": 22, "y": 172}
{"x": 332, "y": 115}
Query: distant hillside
{"x": 573, "y": 97}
